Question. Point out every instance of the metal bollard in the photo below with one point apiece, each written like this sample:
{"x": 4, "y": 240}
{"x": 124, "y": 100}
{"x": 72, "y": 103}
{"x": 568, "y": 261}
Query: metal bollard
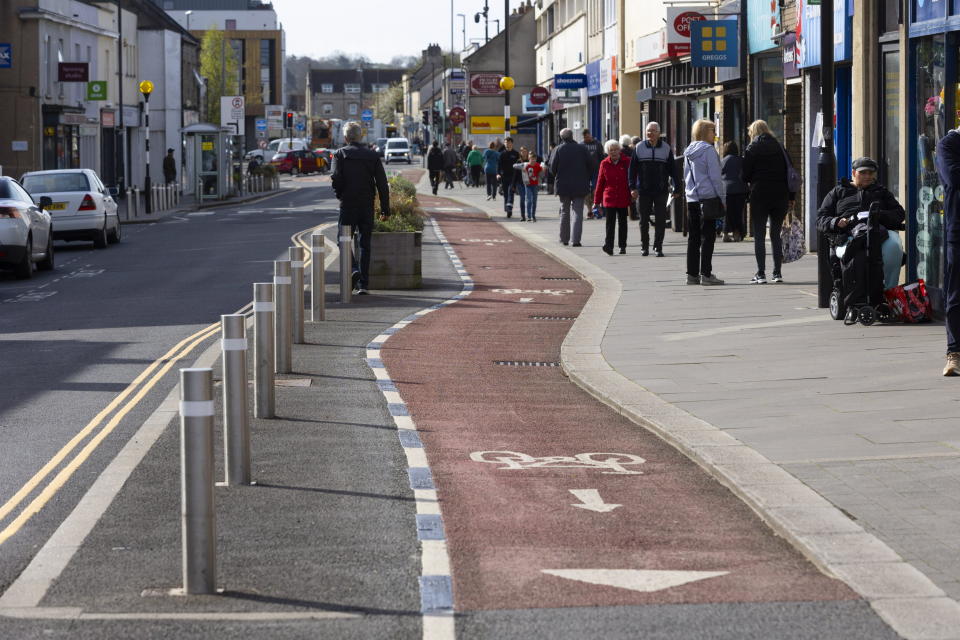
{"x": 264, "y": 404}
{"x": 318, "y": 250}
{"x": 236, "y": 426}
{"x": 198, "y": 536}
{"x": 283, "y": 344}
{"x": 296, "y": 274}
{"x": 346, "y": 263}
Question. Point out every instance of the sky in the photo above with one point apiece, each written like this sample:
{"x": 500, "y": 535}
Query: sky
{"x": 380, "y": 29}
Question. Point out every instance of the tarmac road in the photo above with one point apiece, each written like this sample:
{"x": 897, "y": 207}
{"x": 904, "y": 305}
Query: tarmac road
{"x": 73, "y": 339}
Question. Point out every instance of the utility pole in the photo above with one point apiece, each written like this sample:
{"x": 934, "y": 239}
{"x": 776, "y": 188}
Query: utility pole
{"x": 506, "y": 67}
{"x": 120, "y": 141}
{"x": 827, "y": 162}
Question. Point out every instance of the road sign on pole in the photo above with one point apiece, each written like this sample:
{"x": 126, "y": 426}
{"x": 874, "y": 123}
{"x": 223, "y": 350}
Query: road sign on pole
{"x": 367, "y": 115}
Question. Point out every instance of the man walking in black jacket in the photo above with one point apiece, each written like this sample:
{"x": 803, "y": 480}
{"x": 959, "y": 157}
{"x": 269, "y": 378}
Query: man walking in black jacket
{"x": 595, "y": 150}
{"x": 508, "y": 157}
{"x": 435, "y": 165}
{"x": 358, "y": 175}
{"x": 653, "y": 174}
{"x": 572, "y": 166}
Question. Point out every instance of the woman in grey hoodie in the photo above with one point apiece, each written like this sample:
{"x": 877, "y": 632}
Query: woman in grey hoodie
{"x": 702, "y": 182}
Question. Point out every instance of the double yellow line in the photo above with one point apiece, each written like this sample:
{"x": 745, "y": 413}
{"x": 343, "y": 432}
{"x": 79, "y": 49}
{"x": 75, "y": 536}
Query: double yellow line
{"x": 129, "y": 398}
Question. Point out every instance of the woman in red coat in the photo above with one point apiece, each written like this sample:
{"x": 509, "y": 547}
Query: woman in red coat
{"x": 613, "y": 194}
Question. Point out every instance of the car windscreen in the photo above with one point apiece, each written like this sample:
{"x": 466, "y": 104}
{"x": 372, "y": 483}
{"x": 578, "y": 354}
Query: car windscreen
{"x": 397, "y": 145}
{"x": 6, "y": 191}
{"x": 54, "y": 182}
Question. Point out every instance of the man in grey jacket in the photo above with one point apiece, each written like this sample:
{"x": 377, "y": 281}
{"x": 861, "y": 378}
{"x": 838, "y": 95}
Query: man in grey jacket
{"x": 572, "y": 166}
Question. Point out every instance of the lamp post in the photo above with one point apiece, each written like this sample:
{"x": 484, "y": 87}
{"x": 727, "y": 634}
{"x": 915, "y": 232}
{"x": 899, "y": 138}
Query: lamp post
{"x": 188, "y": 14}
{"x": 486, "y": 20}
{"x": 506, "y": 82}
{"x": 146, "y": 88}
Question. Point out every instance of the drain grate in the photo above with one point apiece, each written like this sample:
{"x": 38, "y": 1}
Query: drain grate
{"x": 553, "y": 317}
{"x": 524, "y": 363}
{"x": 547, "y": 278}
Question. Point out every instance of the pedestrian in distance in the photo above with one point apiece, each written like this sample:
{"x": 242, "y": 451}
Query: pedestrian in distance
{"x": 169, "y": 167}
{"x": 491, "y": 165}
{"x": 519, "y": 186}
{"x": 508, "y": 157}
{"x": 595, "y": 148}
{"x": 449, "y": 165}
{"x": 435, "y": 165}
{"x": 551, "y": 179}
{"x": 653, "y": 175}
{"x": 358, "y": 176}
{"x": 765, "y": 171}
{"x": 731, "y": 168}
{"x": 948, "y": 166}
{"x": 532, "y": 172}
{"x": 626, "y": 149}
{"x": 705, "y": 192}
{"x": 475, "y": 165}
{"x": 573, "y": 168}
{"x": 613, "y": 194}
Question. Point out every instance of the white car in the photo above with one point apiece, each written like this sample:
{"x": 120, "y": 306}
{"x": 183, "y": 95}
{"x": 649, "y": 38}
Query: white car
{"x": 26, "y": 238}
{"x": 397, "y": 149}
{"x": 82, "y": 208}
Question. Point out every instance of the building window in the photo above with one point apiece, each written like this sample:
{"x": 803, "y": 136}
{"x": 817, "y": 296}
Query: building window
{"x": 327, "y": 108}
{"x": 354, "y": 107}
{"x": 326, "y": 88}
{"x": 266, "y": 70}
{"x": 769, "y": 92}
{"x": 230, "y": 25}
{"x": 351, "y": 88}
{"x": 238, "y": 55}
{"x": 379, "y": 87}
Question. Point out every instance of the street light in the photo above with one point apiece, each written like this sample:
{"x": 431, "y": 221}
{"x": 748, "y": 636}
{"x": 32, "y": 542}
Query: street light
{"x": 146, "y": 88}
{"x": 188, "y": 14}
{"x": 463, "y": 29}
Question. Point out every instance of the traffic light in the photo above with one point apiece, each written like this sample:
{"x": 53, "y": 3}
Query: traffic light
{"x": 288, "y": 120}
{"x": 425, "y": 116}
{"x": 436, "y": 116}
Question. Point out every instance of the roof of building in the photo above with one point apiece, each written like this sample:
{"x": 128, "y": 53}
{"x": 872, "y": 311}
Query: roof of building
{"x": 340, "y": 77}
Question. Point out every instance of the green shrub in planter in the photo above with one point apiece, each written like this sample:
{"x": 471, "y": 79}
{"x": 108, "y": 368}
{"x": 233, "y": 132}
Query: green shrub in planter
{"x": 405, "y": 211}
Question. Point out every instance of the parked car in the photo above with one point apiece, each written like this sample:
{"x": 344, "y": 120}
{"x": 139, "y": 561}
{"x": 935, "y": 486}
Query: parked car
{"x": 82, "y": 208}
{"x": 260, "y": 154}
{"x": 24, "y": 227}
{"x": 398, "y": 149}
{"x": 380, "y": 146}
{"x": 295, "y": 162}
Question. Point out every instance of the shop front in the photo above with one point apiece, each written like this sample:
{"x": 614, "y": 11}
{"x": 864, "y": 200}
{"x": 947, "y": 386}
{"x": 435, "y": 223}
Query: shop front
{"x": 603, "y": 103}
{"x": 934, "y": 56}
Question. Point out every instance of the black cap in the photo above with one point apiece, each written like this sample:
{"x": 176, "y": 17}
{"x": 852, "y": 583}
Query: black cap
{"x": 865, "y": 163}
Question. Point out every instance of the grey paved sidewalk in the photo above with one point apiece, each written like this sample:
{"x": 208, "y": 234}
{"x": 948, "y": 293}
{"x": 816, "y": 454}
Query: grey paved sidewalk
{"x": 859, "y": 414}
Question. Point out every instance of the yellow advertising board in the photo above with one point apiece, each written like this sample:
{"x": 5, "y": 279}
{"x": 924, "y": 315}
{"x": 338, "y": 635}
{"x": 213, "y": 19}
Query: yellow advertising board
{"x": 491, "y": 124}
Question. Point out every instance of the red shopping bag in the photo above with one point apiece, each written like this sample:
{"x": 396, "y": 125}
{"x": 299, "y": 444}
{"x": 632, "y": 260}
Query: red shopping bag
{"x": 910, "y": 302}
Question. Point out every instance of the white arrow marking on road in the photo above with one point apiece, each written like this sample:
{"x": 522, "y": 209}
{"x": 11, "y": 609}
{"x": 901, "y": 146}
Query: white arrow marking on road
{"x": 526, "y": 299}
{"x": 591, "y": 500}
{"x": 634, "y": 579}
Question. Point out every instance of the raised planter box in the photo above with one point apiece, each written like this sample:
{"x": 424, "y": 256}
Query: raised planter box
{"x": 395, "y": 260}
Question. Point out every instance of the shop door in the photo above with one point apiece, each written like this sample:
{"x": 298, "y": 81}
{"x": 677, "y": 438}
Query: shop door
{"x": 890, "y": 133}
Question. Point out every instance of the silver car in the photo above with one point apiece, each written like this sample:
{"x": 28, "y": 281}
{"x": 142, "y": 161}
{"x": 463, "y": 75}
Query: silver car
{"x": 82, "y": 208}
{"x": 26, "y": 238}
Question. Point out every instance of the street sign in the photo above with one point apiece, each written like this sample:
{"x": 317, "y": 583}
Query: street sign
{"x": 261, "y": 124}
{"x": 485, "y": 84}
{"x": 458, "y": 115}
{"x": 366, "y": 114}
{"x": 73, "y": 72}
{"x": 539, "y": 95}
{"x": 97, "y": 90}
{"x": 6, "y": 55}
{"x": 300, "y": 126}
{"x": 232, "y": 110}
{"x": 570, "y": 81}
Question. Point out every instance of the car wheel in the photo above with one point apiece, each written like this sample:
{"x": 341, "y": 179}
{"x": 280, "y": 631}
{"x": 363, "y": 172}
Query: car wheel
{"x": 100, "y": 237}
{"x": 24, "y": 270}
{"x": 47, "y": 263}
{"x": 115, "y": 235}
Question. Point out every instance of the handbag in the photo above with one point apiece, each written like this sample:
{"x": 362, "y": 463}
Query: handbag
{"x": 910, "y": 302}
{"x": 793, "y": 178}
{"x": 791, "y": 236}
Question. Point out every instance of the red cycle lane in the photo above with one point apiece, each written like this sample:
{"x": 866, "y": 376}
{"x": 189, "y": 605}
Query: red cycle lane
{"x": 549, "y": 498}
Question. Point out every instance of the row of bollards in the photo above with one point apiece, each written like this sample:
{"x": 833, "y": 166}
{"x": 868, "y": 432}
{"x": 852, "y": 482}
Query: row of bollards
{"x": 278, "y": 323}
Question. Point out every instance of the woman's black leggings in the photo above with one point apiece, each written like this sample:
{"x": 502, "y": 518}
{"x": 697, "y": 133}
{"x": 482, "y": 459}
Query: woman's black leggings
{"x": 772, "y": 210}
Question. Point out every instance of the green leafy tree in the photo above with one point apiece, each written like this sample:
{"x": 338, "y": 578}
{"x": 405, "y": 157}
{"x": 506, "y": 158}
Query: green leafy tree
{"x": 387, "y": 103}
{"x": 219, "y": 67}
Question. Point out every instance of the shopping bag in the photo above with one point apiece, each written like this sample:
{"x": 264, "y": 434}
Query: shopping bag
{"x": 791, "y": 236}
{"x": 910, "y": 302}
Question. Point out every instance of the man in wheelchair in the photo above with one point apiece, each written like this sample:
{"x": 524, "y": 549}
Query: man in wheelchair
{"x": 861, "y": 218}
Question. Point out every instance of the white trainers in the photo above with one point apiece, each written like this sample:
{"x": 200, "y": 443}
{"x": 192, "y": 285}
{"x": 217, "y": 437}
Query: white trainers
{"x": 953, "y": 364}
{"x": 776, "y": 277}
{"x": 758, "y": 279}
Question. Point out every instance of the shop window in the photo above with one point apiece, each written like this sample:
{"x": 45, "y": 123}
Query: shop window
{"x": 931, "y": 126}
{"x": 768, "y": 103}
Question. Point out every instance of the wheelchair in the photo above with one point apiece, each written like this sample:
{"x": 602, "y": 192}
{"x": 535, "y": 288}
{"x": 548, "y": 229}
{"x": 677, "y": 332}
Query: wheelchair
{"x": 870, "y": 307}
